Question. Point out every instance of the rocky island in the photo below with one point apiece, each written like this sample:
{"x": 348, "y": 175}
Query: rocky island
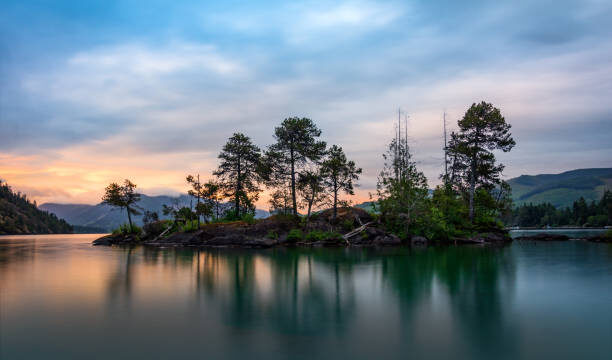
{"x": 352, "y": 227}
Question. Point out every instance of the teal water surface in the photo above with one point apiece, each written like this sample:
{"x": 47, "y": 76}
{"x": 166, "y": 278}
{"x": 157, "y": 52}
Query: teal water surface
{"x": 62, "y": 298}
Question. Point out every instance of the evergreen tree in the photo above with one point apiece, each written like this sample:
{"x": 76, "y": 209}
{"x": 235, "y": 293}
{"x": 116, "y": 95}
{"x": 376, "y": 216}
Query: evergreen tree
{"x": 401, "y": 190}
{"x": 481, "y": 130}
{"x": 311, "y": 188}
{"x": 296, "y": 145}
{"x": 213, "y": 195}
{"x": 123, "y": 196}
{"x": 238, "y": 172}
{"x": 338, "y": 174}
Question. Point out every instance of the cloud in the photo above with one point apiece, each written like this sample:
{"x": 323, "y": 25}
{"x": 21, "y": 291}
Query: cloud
{"x": 157, "y": 105}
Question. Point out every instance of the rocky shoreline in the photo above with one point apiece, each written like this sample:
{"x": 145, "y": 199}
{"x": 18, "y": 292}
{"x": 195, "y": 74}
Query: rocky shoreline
{"x": 353, "y": 227}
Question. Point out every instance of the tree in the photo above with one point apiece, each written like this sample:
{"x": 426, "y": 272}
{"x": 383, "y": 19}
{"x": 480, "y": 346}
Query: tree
{"x": 338, "y": 174}
{"x": 150, "y": 217}
{"x": 122, "y": 196}
{"x": 238, "y": 172}
{"x": 213, "y": 195}
{"x": 197, "y": 190}
{"x": 296, "y": 144}
{"x": 401, "y": 189}
{"x": 481, "y": 131}
{"x": 279, "y": 202}
{"x": 311, "y": 188}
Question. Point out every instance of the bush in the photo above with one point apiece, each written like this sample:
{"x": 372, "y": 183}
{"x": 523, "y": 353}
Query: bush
{"x": 317, "y": 235}
{"x": 125, "y": 229}
{"x": 157, "y": 227}
{"x": 295, "y": 235}
{"x": 347, "y": 225}
{"x": 272, "y": 235}
{"x": 597, "y": 221}
{"x": 248, "y": 218}
{"x": 189, "y": 226}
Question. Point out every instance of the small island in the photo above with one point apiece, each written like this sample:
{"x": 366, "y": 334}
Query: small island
{"x": 301, "y": 172}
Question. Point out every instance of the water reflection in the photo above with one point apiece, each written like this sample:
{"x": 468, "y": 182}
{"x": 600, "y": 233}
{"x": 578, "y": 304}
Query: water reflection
{"x": 313, "y": 291}
{"x": 310, "y": 303}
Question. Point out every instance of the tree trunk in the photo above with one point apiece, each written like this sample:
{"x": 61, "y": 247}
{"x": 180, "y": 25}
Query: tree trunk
{"x": 238, "y": 189}
{"x": 472, "y": 189}
{"x": 310, "y": 201}
{"x": 129, "y": 217}
{"x": 293, "y": 184}
{"x": 335, "y": 199}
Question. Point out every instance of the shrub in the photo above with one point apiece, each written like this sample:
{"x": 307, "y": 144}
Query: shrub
{"x": 272, "y": 235}
{"x": 189, "y": 226}
{"x": 157, "y": 227}
{"x": 317, "y": 235}
{"x": 125, "y": 229}
{"x": 347, "y": 225}
{"x": 248, "y": 218}
{"x": 295, "y": 235}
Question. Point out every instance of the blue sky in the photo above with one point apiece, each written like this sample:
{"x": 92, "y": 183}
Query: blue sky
{"x": 95, "y": 91}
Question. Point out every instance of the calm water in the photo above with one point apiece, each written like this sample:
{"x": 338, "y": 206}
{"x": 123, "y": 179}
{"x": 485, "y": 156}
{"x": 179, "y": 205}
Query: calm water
{"x": 572, "y": 233}
{"x": 62, "y": 298}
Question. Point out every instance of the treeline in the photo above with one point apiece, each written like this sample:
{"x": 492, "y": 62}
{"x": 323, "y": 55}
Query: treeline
{"x": 299, "y": 170}
{"x": 18, "y": 215}
{"x": 581, "y": 213}
{"x": 472, "y": 198}
{"x": 302, "y": 172}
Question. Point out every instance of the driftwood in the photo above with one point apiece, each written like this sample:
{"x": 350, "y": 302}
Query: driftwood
{"x": 163, "y": 233}
{"x": 360, "y": 229}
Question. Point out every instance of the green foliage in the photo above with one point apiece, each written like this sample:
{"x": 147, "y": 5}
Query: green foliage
{"x": 272, "y": 235}
{"x": 473, "y": 166}
{"x": 248, "y": 218}
{"x": 296, "y": 145}
{"x": 18, "y": 215}
{"x": 318, "y": 236}
{"x": 157, "y": 227}
{"x": 338, "y": 174}
{"x": 189, "y": 226}
{"x": 561, "y": 190}
{"x": 127, "y": 229}
{"x": 295, "y": 235}
{"x": 402, "y": 192}
{"x": 122, "y": 196}
{"x": 580, "y": 213}
{"x": 347, "y": 225}
{"x": 239, "y": 172}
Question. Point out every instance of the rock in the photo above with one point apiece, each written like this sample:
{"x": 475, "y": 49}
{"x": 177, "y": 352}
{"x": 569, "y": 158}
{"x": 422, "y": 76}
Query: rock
{"x": 543, "y": 237}
{"x": 599, "y": 238}
{"x": 105, "y": 241}
{"x": 418, "y": 240}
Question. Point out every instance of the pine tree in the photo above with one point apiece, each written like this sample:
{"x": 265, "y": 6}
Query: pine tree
{"x": 338, "y": 174}
{"x": 123, "y": 196}
{"x": 238, "y": 172}
{"x": 296, "y": 145}
{"x": 481, "y": 131}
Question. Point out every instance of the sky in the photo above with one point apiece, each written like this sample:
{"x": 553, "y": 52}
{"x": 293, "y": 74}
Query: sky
{"x": 97, "y": 91}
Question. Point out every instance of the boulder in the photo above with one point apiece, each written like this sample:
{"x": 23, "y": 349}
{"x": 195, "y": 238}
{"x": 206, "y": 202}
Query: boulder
{"x": 418, "y": 240}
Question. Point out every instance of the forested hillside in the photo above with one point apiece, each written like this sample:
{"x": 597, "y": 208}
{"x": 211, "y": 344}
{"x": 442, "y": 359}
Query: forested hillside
{"x": 18, "y": 215}
{"x": 561, "y": 190}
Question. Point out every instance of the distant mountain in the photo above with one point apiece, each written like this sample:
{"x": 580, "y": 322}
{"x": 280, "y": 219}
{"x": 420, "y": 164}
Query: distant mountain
{"x": 563, "y": 189}
{"x": 88, "y": 217}
{"x": 18, "y": 215}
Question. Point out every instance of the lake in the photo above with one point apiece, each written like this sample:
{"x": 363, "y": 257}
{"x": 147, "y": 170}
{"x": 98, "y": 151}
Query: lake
{"x": 62, "y": 298}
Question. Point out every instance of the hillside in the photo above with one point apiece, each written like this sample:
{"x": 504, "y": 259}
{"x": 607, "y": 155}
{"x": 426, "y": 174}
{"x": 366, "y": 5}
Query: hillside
{"x": 90, "y": 217}
{"x": 20, "y": 216}
{"x": 563, "y": 189}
